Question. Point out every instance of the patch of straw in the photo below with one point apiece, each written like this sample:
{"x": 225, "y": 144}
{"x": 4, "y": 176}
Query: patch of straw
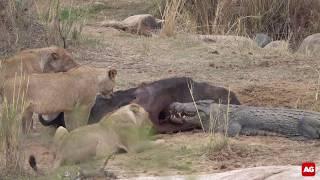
{"x": 171, "y": 11}
{"x": 11, "y": 130}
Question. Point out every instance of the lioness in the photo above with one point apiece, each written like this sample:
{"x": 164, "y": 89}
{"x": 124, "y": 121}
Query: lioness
{"x": 119, "y": 132}
{"x": 42, "y": 60}
{"x": 52, "y": 93}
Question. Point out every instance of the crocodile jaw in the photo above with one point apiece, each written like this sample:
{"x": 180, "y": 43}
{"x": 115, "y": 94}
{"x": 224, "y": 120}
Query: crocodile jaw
{"x": 180, "y": 114}
{"x": 182, "y": 117}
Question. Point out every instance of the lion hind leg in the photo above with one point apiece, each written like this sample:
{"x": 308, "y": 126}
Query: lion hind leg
{"x": 77, "y": 117}
{"x": 104, "y": 150}
{"x": 27, "y": 121}
{"x": 57, "y": 163}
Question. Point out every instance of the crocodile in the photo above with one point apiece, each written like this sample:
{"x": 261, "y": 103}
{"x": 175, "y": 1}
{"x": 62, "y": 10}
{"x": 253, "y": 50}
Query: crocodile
{"x": 246, "y": 120}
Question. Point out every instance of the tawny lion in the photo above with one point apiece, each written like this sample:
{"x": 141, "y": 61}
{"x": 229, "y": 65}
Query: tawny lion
{"x": 121, "y": 131}
{"x": 53, "y": 93}
{"x": 42, "y": 60}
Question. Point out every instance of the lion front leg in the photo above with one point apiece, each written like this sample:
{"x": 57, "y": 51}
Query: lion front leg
{"x": 77, "y": 117}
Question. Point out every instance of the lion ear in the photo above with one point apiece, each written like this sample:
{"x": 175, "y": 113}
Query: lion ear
{"x": 112, "y": 74}
{"x": 54, "y": 56}
{"x": 45, "y": 59}
{"x": 134, "y": 108}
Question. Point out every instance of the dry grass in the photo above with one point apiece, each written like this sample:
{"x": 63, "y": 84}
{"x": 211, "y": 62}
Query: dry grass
{"x": 17, "y": 25}
{"x": 217, "y": 143}
{"x": 208, "y": 15}
{"x": 171, "y": 11}
{"x": 281, "y": 19}
{"x": 11, "y": 133}
{"x": 64, "y": 24}
{"x": 314, "y": 104}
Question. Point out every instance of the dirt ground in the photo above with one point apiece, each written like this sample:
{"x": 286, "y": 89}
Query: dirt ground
{"x": 260, "y": 77}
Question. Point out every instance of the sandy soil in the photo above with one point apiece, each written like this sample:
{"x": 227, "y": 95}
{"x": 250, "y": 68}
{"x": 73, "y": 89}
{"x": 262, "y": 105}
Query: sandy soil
{"x": 260, "y": 77}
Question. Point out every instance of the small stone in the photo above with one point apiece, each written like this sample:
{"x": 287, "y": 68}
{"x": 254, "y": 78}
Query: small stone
{"x": 212, "y": 65}
{"x": 262, "y": 39}
{"x": 214, "y": 52}
{"x": 311, "y": 45}
{"x": 223, "y": 166}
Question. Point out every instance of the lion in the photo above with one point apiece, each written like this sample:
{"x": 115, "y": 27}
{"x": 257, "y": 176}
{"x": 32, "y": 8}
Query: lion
{"x": 41, "y": 60}
{"x": 52, "y": 93}
{"x": 125, "y": 130}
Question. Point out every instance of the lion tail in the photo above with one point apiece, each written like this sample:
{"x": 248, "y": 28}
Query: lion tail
{"x": 1, "y": 95}
{"x": 60, "y": 133}
{"x": 34, "y": 166}
{"x": 33, "y": 163}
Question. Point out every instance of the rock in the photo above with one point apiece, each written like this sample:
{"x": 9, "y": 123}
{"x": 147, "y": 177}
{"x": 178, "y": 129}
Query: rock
{"x": 310, "y": 45}
{"x": 159, "y": 142}
{"x": 228, "y": 39}
{"x": 99, "y": 4}
{"x": 262, "y": 39}
{"x": 280, "y": 45}
{"x": 263, "y": 172}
